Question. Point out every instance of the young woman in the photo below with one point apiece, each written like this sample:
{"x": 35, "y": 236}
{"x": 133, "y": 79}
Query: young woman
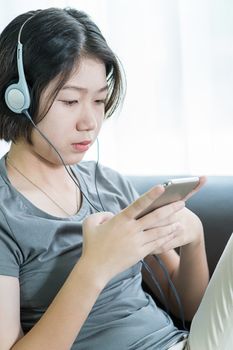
{"x": 71, "y": 249}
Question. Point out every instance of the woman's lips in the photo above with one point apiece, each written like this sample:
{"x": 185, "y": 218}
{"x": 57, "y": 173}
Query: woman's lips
{"x": 81, "y": 146}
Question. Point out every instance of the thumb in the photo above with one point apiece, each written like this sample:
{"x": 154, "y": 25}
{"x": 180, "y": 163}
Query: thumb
{"x": 97, "y": 219}
{"x": 202, "y": 182}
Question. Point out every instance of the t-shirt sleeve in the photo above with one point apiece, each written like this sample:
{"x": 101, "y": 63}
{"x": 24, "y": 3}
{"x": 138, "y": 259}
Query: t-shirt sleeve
{"x": 10, "y": 254}
{"x": 120, "y": 184}
{"x": 130, "y": 190}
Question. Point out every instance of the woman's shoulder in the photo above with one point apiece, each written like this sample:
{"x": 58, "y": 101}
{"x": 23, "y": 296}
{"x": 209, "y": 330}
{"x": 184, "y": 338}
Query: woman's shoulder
{"x": 93, "y": 170}
{"x": 3, "y": 174}
{"x": 4, "y": 186}
{"x": 108, "y": 180}
{"x": 91, "y": 166}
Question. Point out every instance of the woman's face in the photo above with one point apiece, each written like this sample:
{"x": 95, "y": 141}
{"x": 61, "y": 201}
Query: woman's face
{"x": 76, "y": 115}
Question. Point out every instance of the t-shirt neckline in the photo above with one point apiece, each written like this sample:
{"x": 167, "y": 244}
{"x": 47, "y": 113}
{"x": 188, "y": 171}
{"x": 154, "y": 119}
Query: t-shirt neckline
{"x": 39, "y": 212}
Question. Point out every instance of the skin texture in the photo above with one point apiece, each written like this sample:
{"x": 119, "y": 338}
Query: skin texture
{"x": 77, "y": 115}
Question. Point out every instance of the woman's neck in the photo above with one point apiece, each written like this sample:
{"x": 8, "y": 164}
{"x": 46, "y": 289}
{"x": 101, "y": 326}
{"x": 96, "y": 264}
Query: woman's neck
{"x": 37, "y": 168}
{"x": 46, "y": 185}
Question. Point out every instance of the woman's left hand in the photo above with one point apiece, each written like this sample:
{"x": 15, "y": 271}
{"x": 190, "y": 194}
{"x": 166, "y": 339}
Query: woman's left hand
{"x": 189, "y": 227}
{"x": 189, "y": 230}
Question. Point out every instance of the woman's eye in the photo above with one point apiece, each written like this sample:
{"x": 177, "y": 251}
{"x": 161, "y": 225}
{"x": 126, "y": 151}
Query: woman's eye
{"x": 100, "y": 101}
{"x": 69, "y": 102}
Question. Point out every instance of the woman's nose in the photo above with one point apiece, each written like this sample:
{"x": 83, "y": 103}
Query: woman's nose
{"x": 87, "y": 120}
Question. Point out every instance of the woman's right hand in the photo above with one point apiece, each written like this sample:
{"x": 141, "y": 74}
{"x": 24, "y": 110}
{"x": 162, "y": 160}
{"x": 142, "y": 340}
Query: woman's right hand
{"x": 113, "y": 243}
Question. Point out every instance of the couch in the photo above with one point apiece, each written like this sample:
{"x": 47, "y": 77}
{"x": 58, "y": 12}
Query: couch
{"x": 213, "y": 204}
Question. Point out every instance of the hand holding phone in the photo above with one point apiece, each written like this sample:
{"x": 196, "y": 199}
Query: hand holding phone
{"x": 175, "y": 190}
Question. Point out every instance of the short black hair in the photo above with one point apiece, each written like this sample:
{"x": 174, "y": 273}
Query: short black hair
{"x": 54, "y": 40}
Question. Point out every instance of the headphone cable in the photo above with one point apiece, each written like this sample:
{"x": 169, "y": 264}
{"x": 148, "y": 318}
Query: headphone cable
{"x": 156, "y": 283}
{"x": 60, "y": 157}
{"x": 96, "y": 169}
{"x": 26, "y": 113}
{"x": 173, "y": 288}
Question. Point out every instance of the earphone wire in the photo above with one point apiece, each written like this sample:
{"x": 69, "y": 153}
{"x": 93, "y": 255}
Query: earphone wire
{"x": 152, "y": 275}
{"x": 173, "y": 288}
{"x": 96, "y": 169}
{"x": 26, "y": 113}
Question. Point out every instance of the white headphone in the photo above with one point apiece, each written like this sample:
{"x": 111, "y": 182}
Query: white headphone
{"x": 17, "y": 96}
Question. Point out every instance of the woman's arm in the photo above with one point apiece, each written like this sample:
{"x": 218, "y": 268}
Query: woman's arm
{"x": 189, "y": 270}
{"x": 60, "y": 324}
{"x": 192, "y": 275}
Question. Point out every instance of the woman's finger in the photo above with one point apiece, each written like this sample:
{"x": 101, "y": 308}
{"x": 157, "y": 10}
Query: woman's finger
{"x": 97, "y": 219}
{"x": 157, "y": 233}
{"x": 202, "y": 182}
{"x": 158, "y": 246}
{"x": 160, "y": 216}
{"x": 133, "y": 210}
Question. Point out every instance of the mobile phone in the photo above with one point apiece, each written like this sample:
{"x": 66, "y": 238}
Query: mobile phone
{"x": 175, "y": 190}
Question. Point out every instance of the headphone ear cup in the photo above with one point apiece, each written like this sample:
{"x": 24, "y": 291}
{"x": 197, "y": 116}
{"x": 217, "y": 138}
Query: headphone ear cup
{"x": 17, "y": 97}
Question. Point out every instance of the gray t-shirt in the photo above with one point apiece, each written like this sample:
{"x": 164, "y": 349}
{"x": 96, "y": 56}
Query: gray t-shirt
{"x": 41, "y": 249}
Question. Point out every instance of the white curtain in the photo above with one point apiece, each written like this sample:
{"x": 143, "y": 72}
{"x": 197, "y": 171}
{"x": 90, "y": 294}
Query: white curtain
{"x": 178, "y": 57}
